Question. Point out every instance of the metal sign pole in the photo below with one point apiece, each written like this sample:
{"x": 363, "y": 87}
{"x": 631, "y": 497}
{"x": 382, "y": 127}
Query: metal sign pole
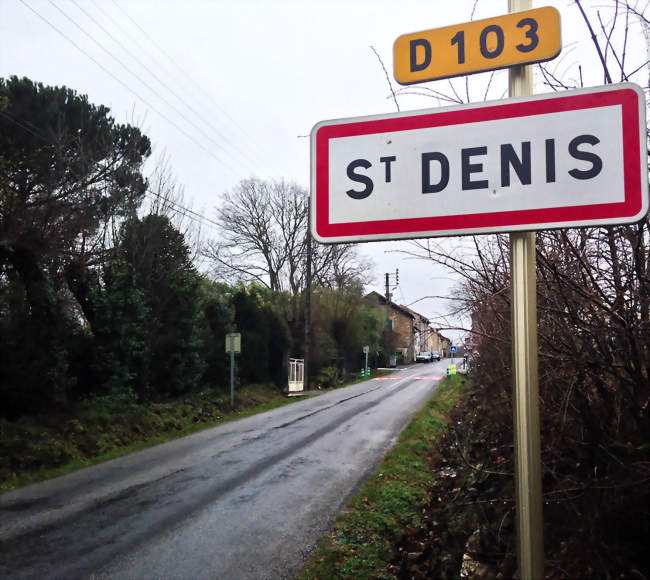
{"x": 528, "y": 479}
{"x": 232, "y": 370}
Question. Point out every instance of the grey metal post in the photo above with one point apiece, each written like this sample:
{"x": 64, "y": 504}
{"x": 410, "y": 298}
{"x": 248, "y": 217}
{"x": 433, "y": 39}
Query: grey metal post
{"x": 528, "y": 479}
{"x": 232, "y": 370}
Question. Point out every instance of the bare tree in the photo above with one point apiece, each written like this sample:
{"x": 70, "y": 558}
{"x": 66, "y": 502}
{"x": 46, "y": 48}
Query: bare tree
{"x": 264, "y": 227}
{"x": 337, "y": 265}
{"x": 166, "y": 197}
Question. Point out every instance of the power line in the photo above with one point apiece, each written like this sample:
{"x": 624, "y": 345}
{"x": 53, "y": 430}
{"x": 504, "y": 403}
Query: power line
{"x": 188, "y": 77}
{"x": 11, "y": 118}
{"x": 199, "y": 217}
{"x": 178, "y": 208}
{"x": 399, "y": 287}
{"x": 108, "y": 72}
{"x": 161, "y": 81}
{"x": 147, "y": 85}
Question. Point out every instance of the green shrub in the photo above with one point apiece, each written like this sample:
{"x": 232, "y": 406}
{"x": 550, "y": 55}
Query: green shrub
{"x": 326, "y": 378}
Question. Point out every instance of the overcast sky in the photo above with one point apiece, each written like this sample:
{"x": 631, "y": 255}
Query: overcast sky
{"x": 228, "y": 89}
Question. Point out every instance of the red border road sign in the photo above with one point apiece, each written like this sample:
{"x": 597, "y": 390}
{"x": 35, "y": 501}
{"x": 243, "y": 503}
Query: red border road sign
{"x": 481, "y": 168}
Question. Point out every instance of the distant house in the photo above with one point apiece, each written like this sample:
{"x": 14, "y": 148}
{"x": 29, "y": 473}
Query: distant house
{"x": 424, "y": 337}
{"x": 445, "y": 343}
{"x": 412, "y": 330}
{"x": 436, "y": 342}
{"x": 402, "y": 322}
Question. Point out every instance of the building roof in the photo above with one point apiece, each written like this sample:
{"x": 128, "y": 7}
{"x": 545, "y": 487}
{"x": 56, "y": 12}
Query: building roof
{"x": 424, "y": 318}
{"x": 401, "y": 308}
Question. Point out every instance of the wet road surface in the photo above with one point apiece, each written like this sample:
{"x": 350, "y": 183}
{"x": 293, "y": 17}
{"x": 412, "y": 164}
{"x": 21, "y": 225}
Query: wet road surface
{"x": 246, "y": 499}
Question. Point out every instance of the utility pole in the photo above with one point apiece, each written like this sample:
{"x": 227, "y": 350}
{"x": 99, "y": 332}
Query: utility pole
{"x": 387, "y": 299}
{"x": 388, "y": 329}
{"x": 388, "y": 275}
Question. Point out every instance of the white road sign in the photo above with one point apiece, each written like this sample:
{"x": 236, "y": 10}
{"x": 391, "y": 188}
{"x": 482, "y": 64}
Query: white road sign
{"x": 575, "y": 158}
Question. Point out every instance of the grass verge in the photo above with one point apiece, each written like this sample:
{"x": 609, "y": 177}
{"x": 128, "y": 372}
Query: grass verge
{"x": 36, "y": 448}
{"x": 365, "y": 537}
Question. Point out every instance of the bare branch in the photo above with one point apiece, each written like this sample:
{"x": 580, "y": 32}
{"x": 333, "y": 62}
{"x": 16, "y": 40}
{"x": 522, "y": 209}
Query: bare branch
{"x": 390, "y": 84}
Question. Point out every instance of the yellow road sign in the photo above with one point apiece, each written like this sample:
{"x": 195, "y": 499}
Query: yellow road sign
{"x": 233, "y": 342}
{"x": 493, "y": 43}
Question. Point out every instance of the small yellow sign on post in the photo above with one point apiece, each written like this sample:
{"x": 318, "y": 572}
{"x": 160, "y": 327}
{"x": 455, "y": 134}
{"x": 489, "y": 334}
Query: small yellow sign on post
{"x": 233, "y": 342}
{"x": 452, "y": 369}
{"x": 493, "y": 43}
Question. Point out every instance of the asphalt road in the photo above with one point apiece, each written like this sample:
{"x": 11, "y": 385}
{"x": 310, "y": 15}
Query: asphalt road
{"x": 246, "y": 499}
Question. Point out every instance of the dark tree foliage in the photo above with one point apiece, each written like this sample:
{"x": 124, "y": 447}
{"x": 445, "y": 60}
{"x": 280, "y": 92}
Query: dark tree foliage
{"x": 120, "y": 349}
{"x": 65, "y": 167}
{"x": 218, "y": 314}
{"x": 34, "y": 366}
{"x": 169, "y": 283}
{"x": 265, "y": 337}
{"x": 98, "y": 302}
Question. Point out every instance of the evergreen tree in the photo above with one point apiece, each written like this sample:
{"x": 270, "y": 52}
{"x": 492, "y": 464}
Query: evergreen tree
{"x": 120, "y": 357}
{"x": 66, "y": 167}
{"x": 170, "y": 285}
{"x": 218, "y": 315}
{"x": 265, "y": 336}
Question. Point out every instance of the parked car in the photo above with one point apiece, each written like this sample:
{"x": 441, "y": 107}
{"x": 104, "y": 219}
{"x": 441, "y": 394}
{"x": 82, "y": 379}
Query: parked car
{"x": 435, "y": 355}
{"x": 424, "y": 356}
